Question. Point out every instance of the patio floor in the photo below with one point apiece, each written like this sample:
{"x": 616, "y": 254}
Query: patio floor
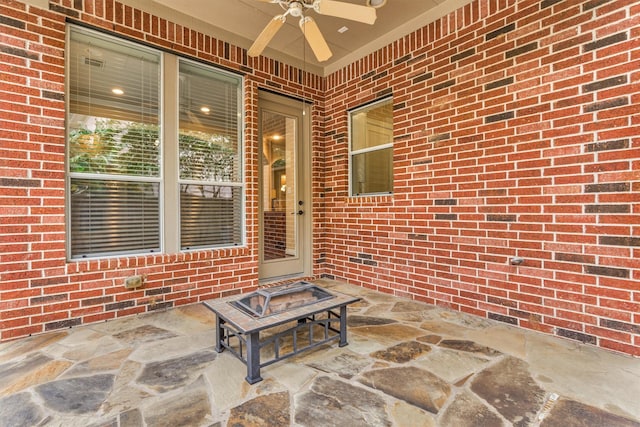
{"x": 407, "y": 364}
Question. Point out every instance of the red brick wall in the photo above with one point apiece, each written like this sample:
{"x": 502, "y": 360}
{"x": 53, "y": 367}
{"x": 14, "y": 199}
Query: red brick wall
{"x": 516, "y": 134}
{"x": 39, "y": 290}
{"x": 275, "y": 234}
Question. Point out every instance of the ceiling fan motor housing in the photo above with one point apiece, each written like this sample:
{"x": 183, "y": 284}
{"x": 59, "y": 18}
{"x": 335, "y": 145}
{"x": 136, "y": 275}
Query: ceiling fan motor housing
{"x": 295, "y": 9}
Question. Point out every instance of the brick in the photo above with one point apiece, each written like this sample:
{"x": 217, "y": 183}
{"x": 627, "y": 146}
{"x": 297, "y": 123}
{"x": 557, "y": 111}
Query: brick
{"x": 577, "y": 336}
{"x": 119, "y": 305}
{"x": 500, "y": 31}
{"x": 446, "y": 202}
{"x": 62, "y": 324}
{"x": 48, "y": 299}
{"x": 621, "y": 326}
{"x": 502, "y": 218}
{"x": 499, "y": 117}
{"x": 576, "y": 258}
{"x": 446, "y": 217}
{"x": 593, "y": 4}
{"x": 9, "y": 50}
{"x": 444, "y": 85}
{"x": 607, "y": 187}
{"x": 502, "y": 318}
{"x": 610, "y": 103}
{"x": 49, "y": 281}
{"x": 11, "y": 22}
{"x": 498, "y": 83}
{"x": 440, "y": 137}
{"x": 619, "y": 144}
{"x": 605, "y": 41}
{"x": 601, "y": 209}
{"x": 402, "y": 59}
{"x": 462, "y": 55}
{"x": 619, "y": 241}
{"x": 573, "y": 42}
{"x": 157, "y": 291}
{"x": 167, "y": 304}
{"x": 521, "y": 50}
{"x": 621, "y": 347}
{"x": 97, "y": 300}
{"x": 606, "y": 83}
{"x": 422, "y": 77}
{"x": 606, "y": 271}
{"x": 548, "y": 3}
{"x": 64, "y": 10}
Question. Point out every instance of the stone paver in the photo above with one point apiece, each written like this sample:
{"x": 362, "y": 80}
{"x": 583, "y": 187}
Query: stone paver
{"x": 332, "y": 402}
{"x": 174, "y": 373}
{"x": 345, "y": 363}
{"x": 189, "y": 408}
{"x": 466, "y": 410}
{"x": 19, "y": 410}
{"x": 415, "y": 386}
{"x": 568, "y": 413}
{"x": 407, "y": 364}
{"x": 263, "y": 411}
{"x": 80, "y": 395}
{"x": 403, "y": 352}
{"x": 509, "y": 388}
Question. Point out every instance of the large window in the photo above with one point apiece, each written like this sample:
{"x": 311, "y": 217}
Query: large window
{"x": 154, "y": 150}
{"x": 371, "y": 149}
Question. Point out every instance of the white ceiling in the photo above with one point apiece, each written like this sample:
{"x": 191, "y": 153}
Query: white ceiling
{"x": 240, "y": 21}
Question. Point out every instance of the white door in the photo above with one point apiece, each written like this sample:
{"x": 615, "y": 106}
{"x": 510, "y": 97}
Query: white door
{"x": 284, "y": 183}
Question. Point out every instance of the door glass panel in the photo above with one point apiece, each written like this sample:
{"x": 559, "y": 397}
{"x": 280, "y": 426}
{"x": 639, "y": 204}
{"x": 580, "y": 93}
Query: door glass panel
{"x": 279, "y": 195}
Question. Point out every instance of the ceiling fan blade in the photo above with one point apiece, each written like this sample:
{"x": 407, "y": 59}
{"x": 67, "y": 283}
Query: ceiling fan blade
{"x": 266, "y": 35}
{"x": 315, "y": 39}
{"x": 354, "y": 12}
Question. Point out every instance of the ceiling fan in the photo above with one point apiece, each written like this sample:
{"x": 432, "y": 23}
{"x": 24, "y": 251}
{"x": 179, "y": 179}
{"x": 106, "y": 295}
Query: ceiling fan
{"x": 297, "y": 9}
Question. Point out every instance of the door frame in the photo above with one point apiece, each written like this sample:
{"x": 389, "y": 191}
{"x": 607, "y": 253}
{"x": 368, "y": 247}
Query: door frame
{"x": 267, "y": 271}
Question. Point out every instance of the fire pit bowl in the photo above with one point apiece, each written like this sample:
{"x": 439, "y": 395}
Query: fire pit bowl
{"x": 278, "y": 299}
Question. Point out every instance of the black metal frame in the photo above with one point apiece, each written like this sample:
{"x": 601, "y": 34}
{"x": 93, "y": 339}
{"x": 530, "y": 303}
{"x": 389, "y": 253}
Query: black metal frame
{"x": 250, "y": 340}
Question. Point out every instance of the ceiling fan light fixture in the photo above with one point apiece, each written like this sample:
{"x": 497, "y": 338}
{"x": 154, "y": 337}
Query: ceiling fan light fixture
{"x": 295, "y": 9}
{"x": 376, "y": 3}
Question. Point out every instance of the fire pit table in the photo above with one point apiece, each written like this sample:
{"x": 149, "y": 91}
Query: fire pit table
{"x": 312, "y": 310}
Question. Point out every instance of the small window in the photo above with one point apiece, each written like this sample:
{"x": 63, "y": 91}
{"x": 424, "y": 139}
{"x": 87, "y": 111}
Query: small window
{"x": 371, "y": 148}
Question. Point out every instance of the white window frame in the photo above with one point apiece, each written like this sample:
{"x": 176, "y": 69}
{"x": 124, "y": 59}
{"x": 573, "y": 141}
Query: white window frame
{"x": 169, "y": 206}
{"x": 175, "y": 245}
{"x": 353, "y": 153}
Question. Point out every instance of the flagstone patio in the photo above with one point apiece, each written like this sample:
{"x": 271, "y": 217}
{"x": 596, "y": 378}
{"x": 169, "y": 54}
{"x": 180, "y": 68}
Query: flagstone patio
{"x": 407, "y": 364}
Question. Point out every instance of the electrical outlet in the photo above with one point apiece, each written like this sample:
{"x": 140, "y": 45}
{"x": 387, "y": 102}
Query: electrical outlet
{"x": 133, "y": 282}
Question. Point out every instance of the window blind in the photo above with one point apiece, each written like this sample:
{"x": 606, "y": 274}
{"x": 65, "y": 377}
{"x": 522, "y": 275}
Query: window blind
{"x": 114, "y": 149}
{"x": 209, "y": 157}
{"x": 114, "y": 217}
{"x": 210, "y": 216}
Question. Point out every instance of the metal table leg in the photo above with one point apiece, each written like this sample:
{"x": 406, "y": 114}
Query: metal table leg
{"x": 253, "y": 358}
{"x": 219, "y": 334}
{"x": 343, "y": 326}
